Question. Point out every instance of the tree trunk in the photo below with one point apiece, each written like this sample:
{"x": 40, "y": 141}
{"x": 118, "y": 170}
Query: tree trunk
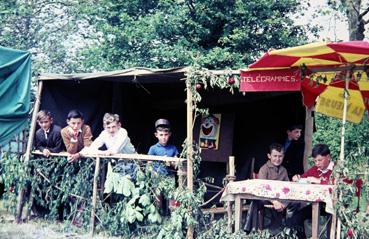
{"x": 355, "y": 21}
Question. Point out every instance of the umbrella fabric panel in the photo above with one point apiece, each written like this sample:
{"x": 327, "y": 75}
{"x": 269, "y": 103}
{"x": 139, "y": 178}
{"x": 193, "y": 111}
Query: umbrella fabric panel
{"x": 322, "y": 61}
{"x": 330, "y": 103}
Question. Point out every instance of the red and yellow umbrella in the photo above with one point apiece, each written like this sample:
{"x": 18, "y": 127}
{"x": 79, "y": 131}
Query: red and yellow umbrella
{"x": 317, "y": 69}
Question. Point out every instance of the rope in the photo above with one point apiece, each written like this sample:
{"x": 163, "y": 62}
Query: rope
{"x": 211, "y": 199}
{"x": 213, "y": 186}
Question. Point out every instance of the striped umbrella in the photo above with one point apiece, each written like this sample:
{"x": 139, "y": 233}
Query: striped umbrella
{"x": 332, "y": 76}
{"x": 317, "y": 69}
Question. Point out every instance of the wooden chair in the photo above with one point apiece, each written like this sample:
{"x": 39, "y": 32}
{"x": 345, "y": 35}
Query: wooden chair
{"x": 222, "y": 210}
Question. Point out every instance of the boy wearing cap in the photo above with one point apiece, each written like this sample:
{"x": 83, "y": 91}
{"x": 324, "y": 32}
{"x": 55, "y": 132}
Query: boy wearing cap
{"x": 162, "y": 148}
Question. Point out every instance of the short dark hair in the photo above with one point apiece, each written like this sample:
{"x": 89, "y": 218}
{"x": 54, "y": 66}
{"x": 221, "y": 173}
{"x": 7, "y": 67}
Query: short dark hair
{"x": 320, "y": 149}
{"x": 294, "y": 126}
{"x": 75, "y": 114}
{"x": 276, "y": 147}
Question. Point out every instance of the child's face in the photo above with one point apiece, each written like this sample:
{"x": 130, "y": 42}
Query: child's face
{"x": 163, "y": 137}
{"x": 75, "y": 123}
{"x": 45, "y": 123}
{"x": 294, "y": 134}
{"x": 112, "y": 128}
{"x": 276, "y": 157}
{"x": 322, "y": 162}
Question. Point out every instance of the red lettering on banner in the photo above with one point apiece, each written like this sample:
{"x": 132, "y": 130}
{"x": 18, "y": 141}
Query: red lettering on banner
{"x": 273, "y": 80}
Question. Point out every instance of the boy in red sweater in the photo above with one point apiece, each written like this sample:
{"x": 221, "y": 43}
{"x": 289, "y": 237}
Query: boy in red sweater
{"x": 321, "y": 172}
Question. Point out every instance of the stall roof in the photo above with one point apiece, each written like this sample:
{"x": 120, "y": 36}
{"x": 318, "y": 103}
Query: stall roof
{"x": 145, "y": 75}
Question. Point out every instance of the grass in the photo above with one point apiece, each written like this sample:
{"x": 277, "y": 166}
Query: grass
{"x": 39, "y": 229}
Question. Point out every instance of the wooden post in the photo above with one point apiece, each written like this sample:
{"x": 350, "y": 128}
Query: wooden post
{"x": 315, "y": 220}
{"x": 332, "y": 234}
{"x": 231, "y": 177}
{"x": 309, "y": 126}
{"x": 231, "y": 166}
{"x": 94, "y": 195}
{"x": 344, "y": 116}
{"x": 32, "y": 130}
{"x": 336, "y": 225}
{"x": 189, "y": 148}
{"x": 237, "y": 213}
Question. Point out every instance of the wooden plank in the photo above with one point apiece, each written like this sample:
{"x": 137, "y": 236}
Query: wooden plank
{"x": 219, "y": 210}
{"x": 229, "y": 214}
{"x": 238, "y": 213}
{"x": 94, "y": 195}
{"x": 32, "y": 130}
{"x": 309, "y": 126}
{"x": 142, "y": 157}
{"x": 315, "y": 220}
{"x": 189, "y": 147}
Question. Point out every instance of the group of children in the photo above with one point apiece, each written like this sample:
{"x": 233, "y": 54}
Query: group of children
{"x": 273, "y": 169}
{"x": 76, "y": 137}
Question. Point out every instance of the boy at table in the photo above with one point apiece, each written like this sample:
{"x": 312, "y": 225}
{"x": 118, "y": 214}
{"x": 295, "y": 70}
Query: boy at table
{"x": 320, "y": 173}
{"x": 271, "y": 170}
{"x": 76, "y": 135}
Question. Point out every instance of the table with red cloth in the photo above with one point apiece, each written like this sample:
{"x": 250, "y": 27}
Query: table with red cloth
{"x": 261, "y": 189}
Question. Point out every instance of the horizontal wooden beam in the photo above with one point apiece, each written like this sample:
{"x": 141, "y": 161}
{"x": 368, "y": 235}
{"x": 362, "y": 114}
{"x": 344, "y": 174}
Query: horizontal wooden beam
{"x": 142, "y": 157}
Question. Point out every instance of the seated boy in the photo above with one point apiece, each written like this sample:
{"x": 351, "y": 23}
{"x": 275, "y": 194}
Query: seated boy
{"x": 48, "y": 138}
{"x": 272, "y": 170}
{"x": 320, "y": 173}
{"x": 76, "y": 135}
{"x": 162, "y": 147}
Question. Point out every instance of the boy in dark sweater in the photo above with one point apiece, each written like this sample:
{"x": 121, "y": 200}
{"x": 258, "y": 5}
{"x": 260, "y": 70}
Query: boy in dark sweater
{"x": 48, "y": 138}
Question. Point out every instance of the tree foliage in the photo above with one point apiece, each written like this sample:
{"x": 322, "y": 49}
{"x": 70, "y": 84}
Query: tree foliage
{"x": 84, "y": 36}
{"x": 356, "y": 12}
{"x": 215, "y": 34}
{"x": 53, "y": 31}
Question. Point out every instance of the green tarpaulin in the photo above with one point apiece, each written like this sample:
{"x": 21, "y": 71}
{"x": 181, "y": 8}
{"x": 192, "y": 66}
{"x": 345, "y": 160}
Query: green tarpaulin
{"x": 15, "y": 84}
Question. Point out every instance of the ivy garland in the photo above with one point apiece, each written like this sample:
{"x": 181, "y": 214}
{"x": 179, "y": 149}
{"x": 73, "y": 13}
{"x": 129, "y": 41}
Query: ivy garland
{"x": 354, "y": 218}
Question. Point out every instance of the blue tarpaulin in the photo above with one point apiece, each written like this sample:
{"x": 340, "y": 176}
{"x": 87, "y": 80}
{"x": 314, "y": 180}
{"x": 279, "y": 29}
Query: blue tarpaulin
{"x": 15, "y": 86}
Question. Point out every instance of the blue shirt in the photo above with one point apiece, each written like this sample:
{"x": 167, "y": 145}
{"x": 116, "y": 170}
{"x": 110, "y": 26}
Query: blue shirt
{"x": 162, "y": 150}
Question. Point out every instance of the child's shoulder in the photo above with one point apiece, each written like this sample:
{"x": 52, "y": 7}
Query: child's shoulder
{"x": 64, "y": 130}
{"x": 57, "y": 127}
{"x": 39, "y": 131}
{"x": 264, "y": 166}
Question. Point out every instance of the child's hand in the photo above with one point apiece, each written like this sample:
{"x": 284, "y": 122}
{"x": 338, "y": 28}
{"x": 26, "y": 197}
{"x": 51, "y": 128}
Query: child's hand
{"x": 73, "y": 157}
{"x": 73, "y": 134}
{"x": 313, "y": 180}
{"x": 46, "y": 152}
{"x": 296, "y": 178}
{"x": 278, "y": 206}
{"x": 108, "y": 152}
